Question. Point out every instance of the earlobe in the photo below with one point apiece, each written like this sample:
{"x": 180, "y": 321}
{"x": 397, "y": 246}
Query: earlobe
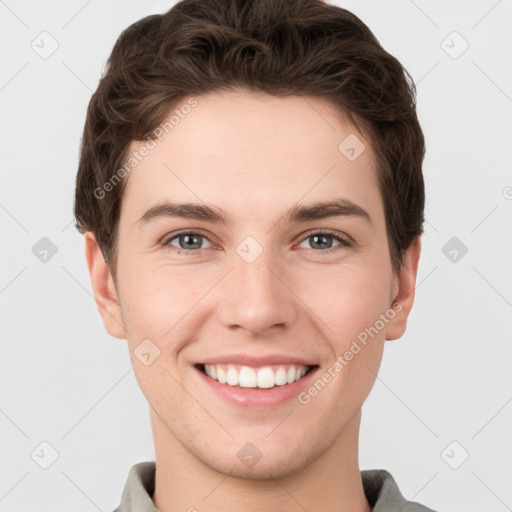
{"x": 404, "y": 299}
{"x": 104, "y": 289}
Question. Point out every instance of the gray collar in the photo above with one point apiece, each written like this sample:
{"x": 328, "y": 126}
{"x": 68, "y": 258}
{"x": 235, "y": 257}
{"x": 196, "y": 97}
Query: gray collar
{"x": 379, "y": 486}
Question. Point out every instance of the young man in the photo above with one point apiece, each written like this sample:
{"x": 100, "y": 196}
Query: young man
{"x": 251, "y": 194}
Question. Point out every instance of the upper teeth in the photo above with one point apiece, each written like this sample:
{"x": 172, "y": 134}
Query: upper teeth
{"x": 248, "y": 377}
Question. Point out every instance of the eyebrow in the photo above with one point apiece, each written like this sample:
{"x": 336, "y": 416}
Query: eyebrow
{"x": 197, "y": 211}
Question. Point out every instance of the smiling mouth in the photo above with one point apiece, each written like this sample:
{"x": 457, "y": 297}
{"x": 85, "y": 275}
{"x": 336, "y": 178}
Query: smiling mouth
{"x": 263, "y": 377}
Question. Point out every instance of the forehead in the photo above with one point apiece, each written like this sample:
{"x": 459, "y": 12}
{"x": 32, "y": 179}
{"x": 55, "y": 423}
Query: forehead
{"x": 244, "y": 149}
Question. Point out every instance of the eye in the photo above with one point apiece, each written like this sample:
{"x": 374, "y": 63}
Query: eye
{"x": 321, "y": 239}
{"x": 193, "y": 241}
{"x": 186, "y": 241}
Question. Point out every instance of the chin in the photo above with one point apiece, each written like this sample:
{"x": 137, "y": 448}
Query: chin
{"x": 268, "y": 467}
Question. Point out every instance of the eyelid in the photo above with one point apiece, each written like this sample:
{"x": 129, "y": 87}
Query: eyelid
{"x": 167, "y": 238}
{"x": 342, "y": 238}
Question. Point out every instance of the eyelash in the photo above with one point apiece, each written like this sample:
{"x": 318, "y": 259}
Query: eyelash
{"x": 343, "y": 242}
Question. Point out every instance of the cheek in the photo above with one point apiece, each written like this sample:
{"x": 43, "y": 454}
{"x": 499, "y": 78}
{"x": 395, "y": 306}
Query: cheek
{"x": 350, "y": 306}
{"x": 346, "y": 300}
{"x": 158, "y": 301}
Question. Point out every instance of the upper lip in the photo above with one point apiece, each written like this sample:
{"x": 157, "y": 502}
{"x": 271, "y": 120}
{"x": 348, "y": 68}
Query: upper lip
{"x": 256, "y": 361}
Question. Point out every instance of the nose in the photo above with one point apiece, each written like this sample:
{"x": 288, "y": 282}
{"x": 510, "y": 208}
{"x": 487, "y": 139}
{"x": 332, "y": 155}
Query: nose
{"x": 256, "y": 297}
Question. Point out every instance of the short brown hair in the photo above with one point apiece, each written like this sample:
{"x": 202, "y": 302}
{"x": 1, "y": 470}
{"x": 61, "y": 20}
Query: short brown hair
{"x": 280, "y": 47}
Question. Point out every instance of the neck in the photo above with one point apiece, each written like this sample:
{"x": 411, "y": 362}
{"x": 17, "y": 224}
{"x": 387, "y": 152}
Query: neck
{"x": 331, "y": 483}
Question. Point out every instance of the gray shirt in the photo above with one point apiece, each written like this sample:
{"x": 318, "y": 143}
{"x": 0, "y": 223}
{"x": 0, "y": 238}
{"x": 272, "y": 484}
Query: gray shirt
{"x": 379, "y": 486}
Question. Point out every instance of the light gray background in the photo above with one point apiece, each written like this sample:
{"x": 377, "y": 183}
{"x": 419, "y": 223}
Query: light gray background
{"x": 64, "y": 380}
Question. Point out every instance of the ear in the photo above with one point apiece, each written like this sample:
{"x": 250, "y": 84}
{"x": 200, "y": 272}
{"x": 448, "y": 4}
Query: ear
{"x": 104, "y": 289}
{"x": 405, "y": 287}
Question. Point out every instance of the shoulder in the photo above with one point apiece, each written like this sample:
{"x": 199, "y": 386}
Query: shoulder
{"x": 383, "y": 494}
{"x": 139, "y": 489}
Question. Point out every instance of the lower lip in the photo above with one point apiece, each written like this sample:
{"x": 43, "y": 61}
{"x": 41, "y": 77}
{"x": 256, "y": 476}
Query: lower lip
{"x": 256, "y": 397}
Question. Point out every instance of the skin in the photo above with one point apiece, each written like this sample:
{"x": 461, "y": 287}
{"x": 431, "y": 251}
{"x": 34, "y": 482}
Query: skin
{"x": 255, "y": 156}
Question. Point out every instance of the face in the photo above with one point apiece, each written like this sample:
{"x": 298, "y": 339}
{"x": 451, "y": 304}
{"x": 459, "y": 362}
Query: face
{"x": 252, "y": 284}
